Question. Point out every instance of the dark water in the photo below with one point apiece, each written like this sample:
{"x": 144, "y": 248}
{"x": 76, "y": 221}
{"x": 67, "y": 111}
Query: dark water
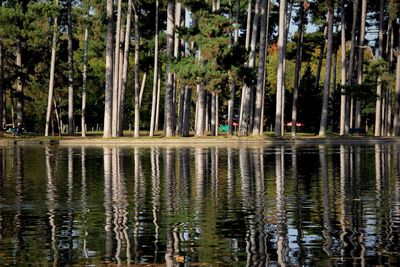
{"x": 284, "y": 205}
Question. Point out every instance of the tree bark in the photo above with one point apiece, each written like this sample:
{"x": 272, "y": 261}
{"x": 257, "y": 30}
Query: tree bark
{"x": 261, "y": 70}
{"x": 201, "y": 110}
{"x": 378, "y": 106}
{"x": 169, "y": 97}
{"x": 350, "y": 75}
{"x": 360, "y": 60}
{"x": 298, "y": 69}
{"x": 71, "y": 123}
{"x": 137, "y": 80}
{"x": 3, "y": 122}
{"x": 343, "y": 99}
{"x": 116, "y": 70}
{"x": 125, "y": 66}
{"x": 50, "y": 99}
{"x": 20, "y": 90}
{"x": 186, "y": 111}
{"x": 280, "y": 81}
{"x": 154, "y": 97}
{"x": 84, "y": 82}
{"x": 248, "y": 25}
{"x": 109, "y": 72}
{"x": 325, "y": 99}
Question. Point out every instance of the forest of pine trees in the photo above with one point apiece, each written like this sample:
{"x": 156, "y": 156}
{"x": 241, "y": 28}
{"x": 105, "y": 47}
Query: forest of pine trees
{"x": 186, "y": 67}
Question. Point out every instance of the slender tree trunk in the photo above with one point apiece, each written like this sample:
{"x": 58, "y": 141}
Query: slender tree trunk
{"x": 142, "y": 89}
{"x": 213, "y": 127}
{"x": 350, "y": 75}
{"x": 20, "y": 91}
{"x": 396, "y": 121}
{"x": 158, "y": 100}
{"x": 298, "y": 69}
{"x": 280, "y": 81}
{"x": 247, "y": 105}
{"x": 2, "y": 93}
{"x": 378, "y": 107}
{"x": 201, "y": 110}
{"x": 71, "y": 124}
{"x": 154, "y": 98}
{"x": 248, "y": 25}
{"x": 343, "y": 99}
{"x": 360, "y": 60}
{"x": 261, "y": 70}
{"x": 50, "y": 99}
{"x": 137, "y": 83}
{"x": 169, "y": 109}
{"x": 116, "y": 70}
{"x": 325, "y": 99}
{"x": 109, "y": 72}
{"x": 320, "y": 59}
{"x": 186, "y": 111}
{"x": 84, "y": 82}
{"x": 125, "y": 66}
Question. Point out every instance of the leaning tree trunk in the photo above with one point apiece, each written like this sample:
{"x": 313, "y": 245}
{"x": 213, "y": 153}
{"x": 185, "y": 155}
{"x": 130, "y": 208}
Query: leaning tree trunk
{"x": 137, "y": 84}
{"x": 298, "y": 69}
{"x": 84, "y": 82}
{"x": 261, "y": 70}
{"x": 378, "y": 107}
{"x": 109, "y": 72}
{"x": 125, "y": 64}
{"x": 343, "y": 130}
{"x": 279, "y": 83}
{"x": 20, "y": 90}
{"x": 116, "y": 70}
{"x": 360, "y": 60}
{"x": 154, "y": 98}
{"x": 50, "y": 99}
{"x": 328, "y": 67}
{"x": 169, "y": 108}
{"x": 71, "y": 124}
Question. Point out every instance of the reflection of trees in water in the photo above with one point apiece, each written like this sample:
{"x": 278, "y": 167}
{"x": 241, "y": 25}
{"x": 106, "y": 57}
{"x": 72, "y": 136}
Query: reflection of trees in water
{"x": 280, "y": 205}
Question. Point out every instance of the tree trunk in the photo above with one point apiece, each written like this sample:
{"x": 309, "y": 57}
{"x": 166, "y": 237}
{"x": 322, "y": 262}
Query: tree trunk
{"x": 325, "y": 99}
{"x": 154, "y": 97}
{"x": 248, "y": 25}
{"x": 20, "y": 92}
{"x": 84, "y": 82}
{"x": 378, "y": 107}
{"x": 180, "y": 111}
{"x": 142, "y": 89}
{"x": 350, "y": 75}
{"x": 71, "y": 124}
{"x": 213, "y": 127}
{"x": 125, "y": 67}
{"x": 396, "y": 121}
{"x": 2, "y": 85}
{"x": 343, "y": 99}
{"x": 186, "y": 111}
{"x": 298, "y": 69}
{"x": 169, "y": 109}
{"x": 137, "y": 80}
{"x": 360, "y": 60}
{"x": 201, "y": 110}
{"x": 247, "y": 105}
{"x": 280, "y": 81}
{"x": 50, "y": 99}
{"x": 116, "y": 70}
{"x": 109, "y": 72}
{"x": 261, "y": 70}
{"x": 158, "y": 100}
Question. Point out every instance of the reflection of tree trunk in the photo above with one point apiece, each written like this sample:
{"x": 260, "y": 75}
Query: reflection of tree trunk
{"x": 169, "y": 171}
{"x": 70, "y": 192}
{"x": 344, "y": 161}
{"x": 108, "y": 203}
{"x": 327, "y": 214}
{"x": 155, "y": 181}
{"x": 280, "y": 206}
{"x": 299, "y": 220}
{"x": 231, "y": 196}
{"x": 51, "y": 204}
{"x": 84, "y": 203}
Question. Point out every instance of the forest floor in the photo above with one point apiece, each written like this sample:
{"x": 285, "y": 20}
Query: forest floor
{"x": 96, "y": 139}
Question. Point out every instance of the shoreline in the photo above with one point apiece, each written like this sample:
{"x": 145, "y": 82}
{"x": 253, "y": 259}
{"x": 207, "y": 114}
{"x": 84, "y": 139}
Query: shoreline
{"x": 194, "y": 141}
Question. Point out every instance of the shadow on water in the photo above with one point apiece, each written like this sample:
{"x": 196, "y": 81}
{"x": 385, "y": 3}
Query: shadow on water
{"x": 280, "y": 205}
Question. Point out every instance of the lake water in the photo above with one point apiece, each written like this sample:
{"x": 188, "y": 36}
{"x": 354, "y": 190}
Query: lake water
{"x": 218, "y": 206}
